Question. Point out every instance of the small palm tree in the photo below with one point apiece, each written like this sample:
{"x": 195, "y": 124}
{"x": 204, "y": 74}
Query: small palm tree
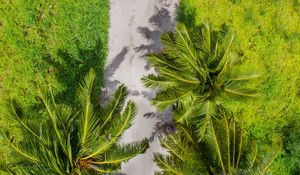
{"x": 79, "y": 139}
{"x": 195, "y": 70}
{"x": 224, "y": 151}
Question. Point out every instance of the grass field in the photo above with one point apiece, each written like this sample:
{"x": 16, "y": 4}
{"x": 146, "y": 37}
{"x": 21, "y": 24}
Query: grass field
{"x": 268, "y": 39}
{"x": 50, "y": 43}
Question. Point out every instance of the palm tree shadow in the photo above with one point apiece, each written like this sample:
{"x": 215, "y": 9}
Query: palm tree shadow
{"x": 162, "y": 22}
{"x": 72, "y": 68}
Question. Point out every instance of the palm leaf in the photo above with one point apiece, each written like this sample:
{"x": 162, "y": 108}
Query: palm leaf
{"x": 162, "y": 62}
{"x": 72, "y": 136}
{"x": 118, "y": 126}
{"x": 223, "y": 151}
{"x": 88, "y": 120}
{"x": 165, "y": 99}
{"x": 196, "y": 69}
{"x": 114, "y": 106}
{"x": 17, "y": 113}
{"x": 51, "y": 113}
{"x": 17, "y": 150}
{"x": 122, "y": 153}
{"x": 157, "y": 82}
{"x": 209, "y": 111}
{"x": 235, "y": 90}
{"x": 168, "y": 165}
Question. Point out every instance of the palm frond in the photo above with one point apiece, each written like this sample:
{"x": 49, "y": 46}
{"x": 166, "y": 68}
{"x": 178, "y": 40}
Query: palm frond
{"x": 16, "y": 111}
{"x": 174, "y": 147}
{"x": 5, "y": 168}
{"x": 213, "y": 139}
{"x": 252, "y": 155}
{"x": 122, "y": 153}
{"x": 17, "y": 150}
{"x": 157, "y": 82}
{"x": 223, "y": 61}
{"x": 52, "y": 116}
{"x": 88, "y": 121}
{"x": 165, "y": 99}
{"x": 195, "y": 108}
{"x": 247, "y": 172}
{"x": 114, "y": 106}
{"x": 118, "y": 126}
{"x": 203, "y": 41}
{"x": 167, "y": 164}
{"x": 236, "y": 90}
{"x": 222, "y": 151}
{"x": 178, "y": 53}
{"x": 268, "y": 160}
{"x": 186, "y": 133}
{"x": 208, "y": 112}
{"x": 105, "y": 169}
{"x": 72, "y": 136}
{"x": 181, "y": 77}
{"x": 197, "y": 62}
{"x": 162, "y": 62}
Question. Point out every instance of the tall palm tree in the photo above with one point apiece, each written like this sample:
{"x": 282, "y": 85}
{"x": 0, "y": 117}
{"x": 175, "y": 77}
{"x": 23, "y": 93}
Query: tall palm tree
{"x": 79, "y": 139}
{"x": 196, "y": 69}
{"x": 224, "y": 151}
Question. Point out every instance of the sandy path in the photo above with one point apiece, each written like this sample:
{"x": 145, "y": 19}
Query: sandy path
{"x": 135, "y": 28}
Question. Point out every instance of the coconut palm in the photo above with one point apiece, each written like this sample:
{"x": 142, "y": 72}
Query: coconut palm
{"x": 195, "y": 71}
{"x": 223, "y": 151}
{"x": 79, "y": 139}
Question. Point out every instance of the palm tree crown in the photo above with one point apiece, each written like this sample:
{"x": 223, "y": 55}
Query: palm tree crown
{"x": 224, "y": 151}
{"x": 78, "y": 139}
{"x": 196, "y": 69}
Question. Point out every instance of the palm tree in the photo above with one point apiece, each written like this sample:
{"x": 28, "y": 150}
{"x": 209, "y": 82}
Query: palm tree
{"x": 79, "y": 139}
{"x": 195, "y": 71}
{"x": 224, "y": 151}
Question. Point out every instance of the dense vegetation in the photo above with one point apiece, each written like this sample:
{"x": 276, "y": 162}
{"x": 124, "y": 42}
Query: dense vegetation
{"x": 198, "y": 73}
{"x": 268, "y": 39}
{"x": 52, "y": 43}
{"x": 72, "y": 139}
{"x": 223, "y": 151}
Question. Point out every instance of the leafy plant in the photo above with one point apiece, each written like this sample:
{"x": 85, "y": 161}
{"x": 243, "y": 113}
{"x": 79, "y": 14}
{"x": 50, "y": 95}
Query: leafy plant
{"x": 78, "y": 139}
{"x": 268, "y": 32}
{"x": 196, "y": 70}
{"x": 53, "y": 42}
{"x": 224, "y": 151}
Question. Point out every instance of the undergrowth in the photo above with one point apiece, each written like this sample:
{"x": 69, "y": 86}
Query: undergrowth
{"x": 50, "y": 44}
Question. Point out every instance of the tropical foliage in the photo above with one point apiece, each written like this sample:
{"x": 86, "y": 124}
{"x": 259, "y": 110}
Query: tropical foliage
{"x": 77, "y": 139}
{"x": 197, "y": 74}
{"x": 53, "y": 42}
{"x": 195, "y": 71}
{"x": 268, "y": 38}
{"x": 223, "y": 151}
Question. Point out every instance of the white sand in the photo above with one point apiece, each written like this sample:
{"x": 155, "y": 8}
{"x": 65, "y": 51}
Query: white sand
{"x": 125, "y": 64}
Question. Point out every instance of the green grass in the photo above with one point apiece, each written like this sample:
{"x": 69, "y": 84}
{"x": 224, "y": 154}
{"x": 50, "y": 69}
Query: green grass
{"x": 49, "y": 43}
{"x": 268, "y": 39}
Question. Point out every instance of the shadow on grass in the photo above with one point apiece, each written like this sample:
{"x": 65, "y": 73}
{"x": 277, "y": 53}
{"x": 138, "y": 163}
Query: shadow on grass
{"x": 72, "y": 68}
